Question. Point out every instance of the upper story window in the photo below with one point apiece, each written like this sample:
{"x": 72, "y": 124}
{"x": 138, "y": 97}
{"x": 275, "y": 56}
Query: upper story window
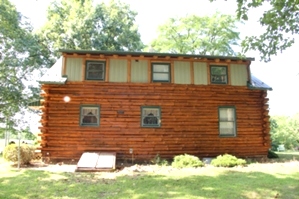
{"x": 227, "y": 121}
{"x": 95, "y": 70}
{"x": 150, "y": 116}
{"x": 90, "y": 115}
{"x": 161, "y": 72}
{"x": 219, "y": 75}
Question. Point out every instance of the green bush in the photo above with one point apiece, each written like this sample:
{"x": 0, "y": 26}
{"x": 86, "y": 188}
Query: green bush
{"x": 227, "y": 161}
{"x": 272, "y": 154}
{"x": 10, "y": 153}
{"x": 182, "y": 161}
{"x": 159, "y": 161}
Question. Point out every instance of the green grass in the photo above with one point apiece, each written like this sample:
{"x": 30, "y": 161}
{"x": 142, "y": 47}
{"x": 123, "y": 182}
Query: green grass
{"x": 267, "y": 180}
{"x": 286, "y": 156}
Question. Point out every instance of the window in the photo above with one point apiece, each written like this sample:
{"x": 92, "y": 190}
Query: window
{"x": 95, "y": 70}
{"x": 90, "y": 116}
{"x": 161, "y": 72}
{"x": 227, "y": 121}
{"x": 218, "y": 74}
{"x": 150, "y": 116}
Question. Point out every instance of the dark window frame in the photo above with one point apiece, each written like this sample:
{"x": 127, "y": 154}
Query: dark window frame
{"x": 234, "y": 121}
{"x": 155, "y": 119}
{"x": 169, "y": 72}
{"x": 87, "y": 70}
{"x": 82, "y": 116}
{"x": 215, "y": 77}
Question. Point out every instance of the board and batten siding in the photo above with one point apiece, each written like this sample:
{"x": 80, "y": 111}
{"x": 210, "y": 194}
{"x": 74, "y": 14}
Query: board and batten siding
{"x": 118, "y": 70}
{"x": 139, "y": 70}
{"x": 238, "y": 74}
{"x": 182, "y": 72}
{"x": 74, "y": 69}
{"x": 200, "y": 73}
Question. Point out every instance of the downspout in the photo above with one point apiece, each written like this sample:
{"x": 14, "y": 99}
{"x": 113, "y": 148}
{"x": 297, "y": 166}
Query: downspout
{"x": 249, "y": 73}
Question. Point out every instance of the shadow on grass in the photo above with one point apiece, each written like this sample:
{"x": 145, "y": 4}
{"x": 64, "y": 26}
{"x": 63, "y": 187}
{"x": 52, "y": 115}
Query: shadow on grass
{"x": 228, "y": 184}
{"x": 288, "y": 156}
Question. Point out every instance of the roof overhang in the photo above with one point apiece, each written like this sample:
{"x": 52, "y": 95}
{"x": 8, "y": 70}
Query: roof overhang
{"x": 53, "y": 75}
{"x": 153, "y": 54}
{"x": 257, "y": 84}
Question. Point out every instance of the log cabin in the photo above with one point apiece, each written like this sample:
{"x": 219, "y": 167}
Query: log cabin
{"x": 140, "y": 104}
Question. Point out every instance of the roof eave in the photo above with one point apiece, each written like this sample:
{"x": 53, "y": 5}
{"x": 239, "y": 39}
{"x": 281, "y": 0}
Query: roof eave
{"x": 250, "y": 86}
{"x": 94, "y": 52}
{"x": 63, "y": 81}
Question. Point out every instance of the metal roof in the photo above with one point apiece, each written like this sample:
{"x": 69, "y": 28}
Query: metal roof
{"x": 151, "y": 54}
{"x": 53, "y": 75}
{"x": 258, "y": 84}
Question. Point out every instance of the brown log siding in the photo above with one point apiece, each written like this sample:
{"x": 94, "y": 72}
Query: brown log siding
{"x": 189, "y": 120}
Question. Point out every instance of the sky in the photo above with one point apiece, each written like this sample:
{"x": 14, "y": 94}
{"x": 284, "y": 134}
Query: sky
{"x": 281, "y": 73}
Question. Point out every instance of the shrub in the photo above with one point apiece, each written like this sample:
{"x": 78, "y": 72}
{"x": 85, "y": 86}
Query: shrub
{"x": 272, "y": 154}
{"x": 182, "y": 161}
{"x": 159, "y": 161}
{"x": 227, "y": 161}
{"x": 10, "y": 153}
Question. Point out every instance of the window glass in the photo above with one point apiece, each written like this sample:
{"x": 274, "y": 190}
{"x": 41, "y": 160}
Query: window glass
{"x": 226, "y": 128}
{"x": 219, "y": 74}
{"x": 161, "y": 68}
{"x": 218, "y": 70}
{"x": 89, "y": 116}
{"x": 161, "y": 72}
{"x": 227, "y": 121}
{"x": 227, "y": 114}
{"x": 160, "y": 76}
{"x": 150, "y": 116}
{"x": 95, "y": 70}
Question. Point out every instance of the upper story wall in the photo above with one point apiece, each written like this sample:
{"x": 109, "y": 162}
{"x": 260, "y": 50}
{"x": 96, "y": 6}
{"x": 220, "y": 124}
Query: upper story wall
{"x": 155, "y": 69}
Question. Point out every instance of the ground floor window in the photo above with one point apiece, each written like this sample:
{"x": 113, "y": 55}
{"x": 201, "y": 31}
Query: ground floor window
{"x": 227, "y": 121}
{"x": 89, "y": 115}
{"x": 150, "y": 116}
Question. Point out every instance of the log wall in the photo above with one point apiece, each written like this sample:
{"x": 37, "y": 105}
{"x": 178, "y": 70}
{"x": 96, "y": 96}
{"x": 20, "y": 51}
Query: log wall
{"x": 189, "y": 120}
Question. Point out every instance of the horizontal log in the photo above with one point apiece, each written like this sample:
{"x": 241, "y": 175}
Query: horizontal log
{"x": 189, "y": 120}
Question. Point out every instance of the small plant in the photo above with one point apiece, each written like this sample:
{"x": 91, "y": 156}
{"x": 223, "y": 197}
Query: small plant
{"x": 227, "y": 161}
{"x": 159, "y": 161}
{"x": 272, "y": 154}
{"x": 182, "y": 161}
{"x": 10, "y": 153}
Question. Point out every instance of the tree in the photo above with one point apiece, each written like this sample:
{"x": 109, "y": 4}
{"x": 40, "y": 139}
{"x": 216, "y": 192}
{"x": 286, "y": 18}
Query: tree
{"x": 20, "y": 55}
{"x": 202, "y": 35}
{"x": 285, "y": 130}
{"x": 74, "y": 24}
{"x": 281, "y": 23}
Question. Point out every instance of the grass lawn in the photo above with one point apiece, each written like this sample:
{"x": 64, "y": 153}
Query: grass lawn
{"x": 257, "y": 180}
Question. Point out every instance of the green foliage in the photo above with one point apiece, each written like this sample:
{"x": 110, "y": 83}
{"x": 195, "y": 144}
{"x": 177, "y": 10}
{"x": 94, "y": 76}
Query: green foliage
{"x": 10, "y": 153}
{"x": 159, "y": 161}
{"x": 183, "y": 161}
{"x": 21, "y": 54}
{"x": 280, "y": 22}
{"x": 227, "y": 160}
{"x": 28, "y": 135}
{"x": 272, "y": 154}
{"x": 213, "y": 35}
{"x": 74, "y": 24}
{"x": 285, "y": 130}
